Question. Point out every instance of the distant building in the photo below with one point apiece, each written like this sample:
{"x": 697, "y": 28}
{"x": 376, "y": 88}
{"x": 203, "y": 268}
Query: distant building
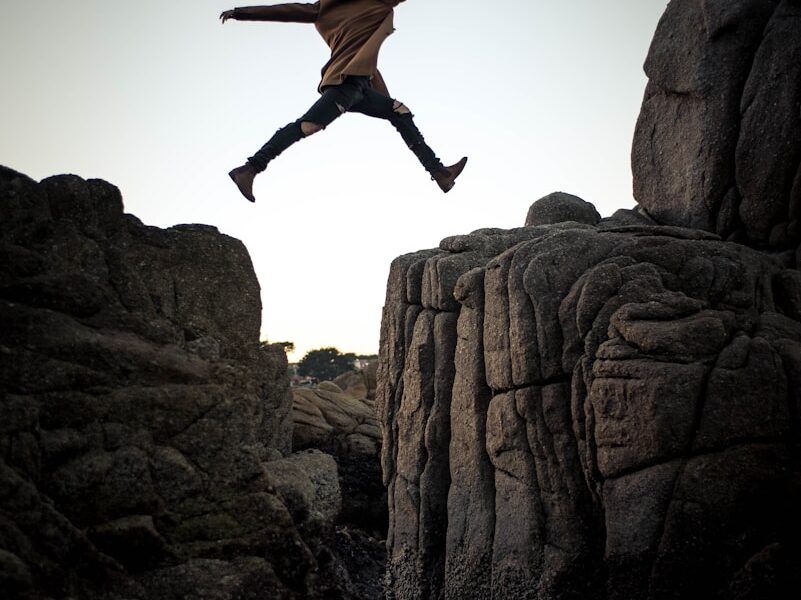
{"x": 296, "y": 380}
{"x": 362, "y": 362}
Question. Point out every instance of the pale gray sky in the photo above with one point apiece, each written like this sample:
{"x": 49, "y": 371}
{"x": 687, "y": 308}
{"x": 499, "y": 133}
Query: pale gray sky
{"x": 162, "y": 100}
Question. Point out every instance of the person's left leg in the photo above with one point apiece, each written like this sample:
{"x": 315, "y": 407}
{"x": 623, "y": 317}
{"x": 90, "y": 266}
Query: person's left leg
{"x": 334, "y": 101}
{"x": 376, "y": 104}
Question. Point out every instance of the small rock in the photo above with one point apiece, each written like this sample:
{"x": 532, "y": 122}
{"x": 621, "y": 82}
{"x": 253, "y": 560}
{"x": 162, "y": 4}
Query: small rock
{"x": 560, "y": 207}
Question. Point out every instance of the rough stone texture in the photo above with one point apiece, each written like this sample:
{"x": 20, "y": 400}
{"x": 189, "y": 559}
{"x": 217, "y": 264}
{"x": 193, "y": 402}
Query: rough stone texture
{"x": 328, "y": 418}
{"x": 716, "y": 144}
{"x": 359, "y": 384}
{"x": 610, "y": 409}
{"x": 768, "y": 154}
{"x": 142, "y": 425}
{"x": 341, "y": 421}
{"x": 560, "y": 207}
{"x": 577, "y": 411}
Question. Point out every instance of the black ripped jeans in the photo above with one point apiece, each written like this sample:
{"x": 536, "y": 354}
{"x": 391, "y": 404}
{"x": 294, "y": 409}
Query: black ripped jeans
{"x": 353, "y": 95}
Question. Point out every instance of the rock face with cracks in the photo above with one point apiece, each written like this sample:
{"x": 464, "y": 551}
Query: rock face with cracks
{"x": 607, "y": 409}
{"x": 145, "y": 434}
{"x": 579, "y": 411}
{"x": 716, "y": 146}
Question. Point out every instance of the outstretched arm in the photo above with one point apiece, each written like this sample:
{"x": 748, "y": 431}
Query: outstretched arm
{"x": 287, "y": 13}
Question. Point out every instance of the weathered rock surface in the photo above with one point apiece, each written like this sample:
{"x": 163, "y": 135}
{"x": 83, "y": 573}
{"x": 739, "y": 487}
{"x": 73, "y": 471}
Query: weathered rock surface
{"x": 339, "y": 418}
{"x": 603, "y": 411}
{"x": 327, "y": 417}
{"x": 560, "y": 207}
{"x": 716, "y": 146}
{"x": 345, "y": 425}
{"x": 144, "y": 431}
{"x": 611, "y": 408}
{"x": 359, "y": 384}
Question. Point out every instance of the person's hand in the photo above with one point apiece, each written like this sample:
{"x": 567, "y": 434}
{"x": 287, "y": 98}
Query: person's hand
{"x": 226, "y": 14}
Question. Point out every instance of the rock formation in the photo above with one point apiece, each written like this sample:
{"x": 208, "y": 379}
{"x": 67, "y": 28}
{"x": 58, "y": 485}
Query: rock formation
{"x": 716, "y": 145}
{"x": 610, "y": 408}
{"x": 359, "y": 384}
{"x": 342, "y": 422}
{"x": 145, "y": 433}
{"x": 328, "y": 418}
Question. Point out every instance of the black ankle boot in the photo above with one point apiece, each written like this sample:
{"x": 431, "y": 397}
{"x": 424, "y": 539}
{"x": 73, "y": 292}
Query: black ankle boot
{"x": 446, "y": 176}
{"x": 243, "y": 178}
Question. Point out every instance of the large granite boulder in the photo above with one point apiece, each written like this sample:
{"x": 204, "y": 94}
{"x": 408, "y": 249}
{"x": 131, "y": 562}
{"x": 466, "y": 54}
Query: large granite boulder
{"x": 603, "y": 411}
{"x": 144, "y": 430}
{"x": 609, "y": 408}
{"x": 716, "y": 146}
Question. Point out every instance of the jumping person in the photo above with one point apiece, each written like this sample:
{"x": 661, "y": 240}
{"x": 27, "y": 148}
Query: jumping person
{"x": 354, "y": 30}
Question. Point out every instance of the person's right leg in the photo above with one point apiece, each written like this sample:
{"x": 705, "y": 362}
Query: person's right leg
{"x": 334, "y": 101}
{"x": 376, "y": 104}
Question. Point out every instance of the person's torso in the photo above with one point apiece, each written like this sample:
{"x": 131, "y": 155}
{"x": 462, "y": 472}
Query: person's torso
{"x": 350, "y": 22}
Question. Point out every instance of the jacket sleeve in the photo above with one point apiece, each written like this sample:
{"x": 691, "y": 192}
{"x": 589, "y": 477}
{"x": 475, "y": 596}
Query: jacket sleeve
{"x": 295, "y": 12}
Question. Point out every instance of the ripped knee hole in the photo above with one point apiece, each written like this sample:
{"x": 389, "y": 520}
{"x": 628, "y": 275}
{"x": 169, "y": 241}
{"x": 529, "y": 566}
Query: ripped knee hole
{"x": 309, "y": 127}
{"x": 400, "y": 108}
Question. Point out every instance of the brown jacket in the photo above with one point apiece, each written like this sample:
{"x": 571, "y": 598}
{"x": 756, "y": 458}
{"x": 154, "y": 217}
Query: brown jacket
{"x": 353, "y": 29}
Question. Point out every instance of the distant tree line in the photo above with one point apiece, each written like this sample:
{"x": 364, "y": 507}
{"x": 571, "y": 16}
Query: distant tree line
{"x": 326, "y": 364}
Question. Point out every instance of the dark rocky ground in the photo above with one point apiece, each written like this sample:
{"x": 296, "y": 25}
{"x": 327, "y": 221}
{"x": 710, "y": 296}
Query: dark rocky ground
{"x": 339, "y": 418}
